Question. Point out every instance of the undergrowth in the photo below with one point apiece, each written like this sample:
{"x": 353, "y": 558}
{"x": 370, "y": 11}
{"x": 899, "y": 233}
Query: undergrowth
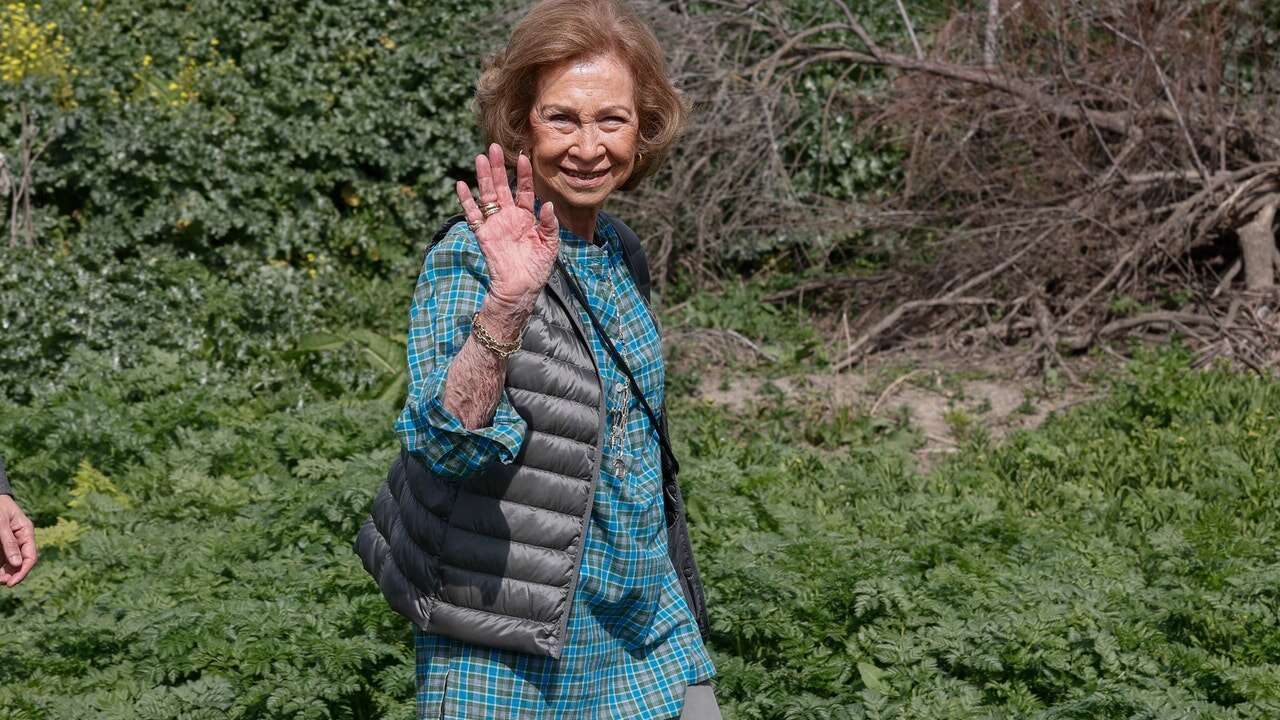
{"x": 1118, "y": 562}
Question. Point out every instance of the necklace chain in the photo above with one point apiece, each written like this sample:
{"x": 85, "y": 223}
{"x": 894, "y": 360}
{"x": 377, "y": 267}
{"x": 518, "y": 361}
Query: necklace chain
{"x": 617, "y": 432}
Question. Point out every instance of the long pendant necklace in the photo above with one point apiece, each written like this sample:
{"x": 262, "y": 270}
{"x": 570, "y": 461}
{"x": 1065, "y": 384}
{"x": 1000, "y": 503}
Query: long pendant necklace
{"x": 617, "y": 431}
{"x": 622, "y": 389}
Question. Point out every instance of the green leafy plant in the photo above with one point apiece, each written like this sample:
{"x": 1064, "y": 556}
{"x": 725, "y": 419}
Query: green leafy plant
{"x": 385, "y": 353}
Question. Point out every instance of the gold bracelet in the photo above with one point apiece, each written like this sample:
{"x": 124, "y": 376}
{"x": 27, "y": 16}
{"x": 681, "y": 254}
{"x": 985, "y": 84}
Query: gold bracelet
{"x": 502, "y": 350}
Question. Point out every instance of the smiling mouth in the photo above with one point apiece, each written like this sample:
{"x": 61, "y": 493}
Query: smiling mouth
{"x": 584, "y": 175}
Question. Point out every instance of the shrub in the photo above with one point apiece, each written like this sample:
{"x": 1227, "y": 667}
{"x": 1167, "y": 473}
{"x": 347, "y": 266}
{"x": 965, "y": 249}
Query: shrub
{"x": 305, "y": 131}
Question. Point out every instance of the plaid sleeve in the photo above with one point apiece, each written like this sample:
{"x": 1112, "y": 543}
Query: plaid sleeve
{"x": 450, "y": 290}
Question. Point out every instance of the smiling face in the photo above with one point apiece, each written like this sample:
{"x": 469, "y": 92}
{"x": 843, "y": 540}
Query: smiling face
{"x": 584, "y": 131}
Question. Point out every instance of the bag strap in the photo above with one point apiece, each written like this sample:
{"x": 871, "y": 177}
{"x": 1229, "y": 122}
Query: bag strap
{"x": 633, "y": 254}
{"x": 445, "y": 228}
{"x": 659, "y": 425}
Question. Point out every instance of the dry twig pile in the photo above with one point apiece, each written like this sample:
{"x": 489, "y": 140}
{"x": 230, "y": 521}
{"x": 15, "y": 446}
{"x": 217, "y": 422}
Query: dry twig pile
{"x": 1096, "y": 170}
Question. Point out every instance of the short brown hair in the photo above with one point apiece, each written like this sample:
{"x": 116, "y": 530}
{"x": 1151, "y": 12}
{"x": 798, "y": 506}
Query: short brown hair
{"x": 555, "y": 31}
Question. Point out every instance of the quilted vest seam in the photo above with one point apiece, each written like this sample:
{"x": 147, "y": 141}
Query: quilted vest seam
{"x": 532, "y": 431}
{"x": 517, "y": 502}
{"x": 500, "y": 577}
{"x": 514, "y": 542}
{"x": 554, "y": 324}
{"x": 390, "y": 556}
{"x": 501, "y": 615}
{"x": 555, "y": 397}
{"x": 399, "y": 517}
{"x": 554, "y": 359}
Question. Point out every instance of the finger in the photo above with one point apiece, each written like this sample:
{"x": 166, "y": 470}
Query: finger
{"x": 524, "y": 182}
{"x": 469, "y": 207}
{"x": 26, "y": 535}
{"x": 548, "y": 225}
{"x": 27, "y": 539}
{"x": 9, "y": 544}
{"x": 484, "y": 178}
{"x": 17, "y": 577}
{"x": 498, "y": 166}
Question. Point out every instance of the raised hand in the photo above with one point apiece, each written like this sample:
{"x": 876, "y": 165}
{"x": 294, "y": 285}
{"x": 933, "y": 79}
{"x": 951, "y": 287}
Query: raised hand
{"x": 519, "y": 249}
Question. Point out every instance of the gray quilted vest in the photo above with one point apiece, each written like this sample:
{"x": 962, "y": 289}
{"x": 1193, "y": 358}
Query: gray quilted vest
{"x": 494, "y": 559}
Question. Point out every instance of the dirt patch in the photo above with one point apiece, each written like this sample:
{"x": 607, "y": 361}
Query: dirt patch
{"x": 945, "y": 399}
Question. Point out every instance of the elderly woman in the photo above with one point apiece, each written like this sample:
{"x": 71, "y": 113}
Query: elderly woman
{"x": 532, "y": 528}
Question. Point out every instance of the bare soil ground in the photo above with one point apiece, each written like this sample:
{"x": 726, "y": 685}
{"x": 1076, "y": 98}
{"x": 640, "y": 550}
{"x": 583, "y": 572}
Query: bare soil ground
{"x": 944, "y": 397}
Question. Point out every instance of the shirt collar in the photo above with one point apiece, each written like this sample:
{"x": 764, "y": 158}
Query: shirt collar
{"x": 606, "y": 235}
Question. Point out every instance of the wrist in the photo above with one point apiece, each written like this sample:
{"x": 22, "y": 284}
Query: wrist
{"x": 504, "y": 300}
{"x": 504, "y": 319}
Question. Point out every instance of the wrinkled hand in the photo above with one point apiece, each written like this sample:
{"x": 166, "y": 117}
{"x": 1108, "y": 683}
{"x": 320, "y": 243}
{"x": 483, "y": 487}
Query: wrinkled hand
{"x": 17, "y": 543}
{"x": 519, "y": 249}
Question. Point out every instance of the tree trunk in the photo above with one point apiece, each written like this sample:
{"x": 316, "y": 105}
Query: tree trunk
{"x": 1258, "y": 244}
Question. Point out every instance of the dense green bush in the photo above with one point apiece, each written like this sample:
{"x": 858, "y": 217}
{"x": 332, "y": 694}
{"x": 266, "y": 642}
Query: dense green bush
{"x": 240, "y": 316}
{"x": 91, "y": 300}
{"x": 311, "y": 132}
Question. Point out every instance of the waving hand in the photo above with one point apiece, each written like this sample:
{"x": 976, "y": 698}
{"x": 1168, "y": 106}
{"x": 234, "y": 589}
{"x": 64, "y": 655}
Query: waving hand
{"x": 518, "y": 248}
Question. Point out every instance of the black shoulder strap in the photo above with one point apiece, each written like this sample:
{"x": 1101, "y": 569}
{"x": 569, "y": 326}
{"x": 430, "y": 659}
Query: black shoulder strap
{"x": 659, "y": 422}
{"x": 633, "y": 254}
{"x": 444, "y": 229}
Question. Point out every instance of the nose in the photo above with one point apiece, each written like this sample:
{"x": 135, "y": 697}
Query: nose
{"x": 588, "y": 147}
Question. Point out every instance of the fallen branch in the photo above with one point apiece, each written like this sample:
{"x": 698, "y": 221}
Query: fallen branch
{"x": 951, "y": 298}
{"x": 824, "y": 285}
{"x": 731, "y": 335}
{"x": 889, "y": 390}
{"x": 852, "y": 352}
{"x": 1082, "y": 342}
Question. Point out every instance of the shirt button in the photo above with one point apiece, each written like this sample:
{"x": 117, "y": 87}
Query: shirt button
{"x": 619, "y": 387}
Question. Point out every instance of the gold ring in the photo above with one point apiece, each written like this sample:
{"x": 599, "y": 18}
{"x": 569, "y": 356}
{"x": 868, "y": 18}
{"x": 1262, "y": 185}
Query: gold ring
{"x": 490, "y": 209}
{"x": 475, "y": 226}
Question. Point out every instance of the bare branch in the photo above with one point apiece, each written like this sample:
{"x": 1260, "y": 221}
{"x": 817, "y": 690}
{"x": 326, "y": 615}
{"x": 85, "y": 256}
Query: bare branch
{"x": 911, "y": 31}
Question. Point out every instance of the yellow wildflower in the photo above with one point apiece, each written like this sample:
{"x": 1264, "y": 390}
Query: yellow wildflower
{"x": 28, "y": 48}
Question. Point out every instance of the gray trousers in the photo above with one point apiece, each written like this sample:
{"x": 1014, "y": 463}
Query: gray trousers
{"x": 700, "y": 703}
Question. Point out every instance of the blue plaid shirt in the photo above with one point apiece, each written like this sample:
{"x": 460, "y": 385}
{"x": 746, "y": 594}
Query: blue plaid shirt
{"x": 632, "y": 644}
